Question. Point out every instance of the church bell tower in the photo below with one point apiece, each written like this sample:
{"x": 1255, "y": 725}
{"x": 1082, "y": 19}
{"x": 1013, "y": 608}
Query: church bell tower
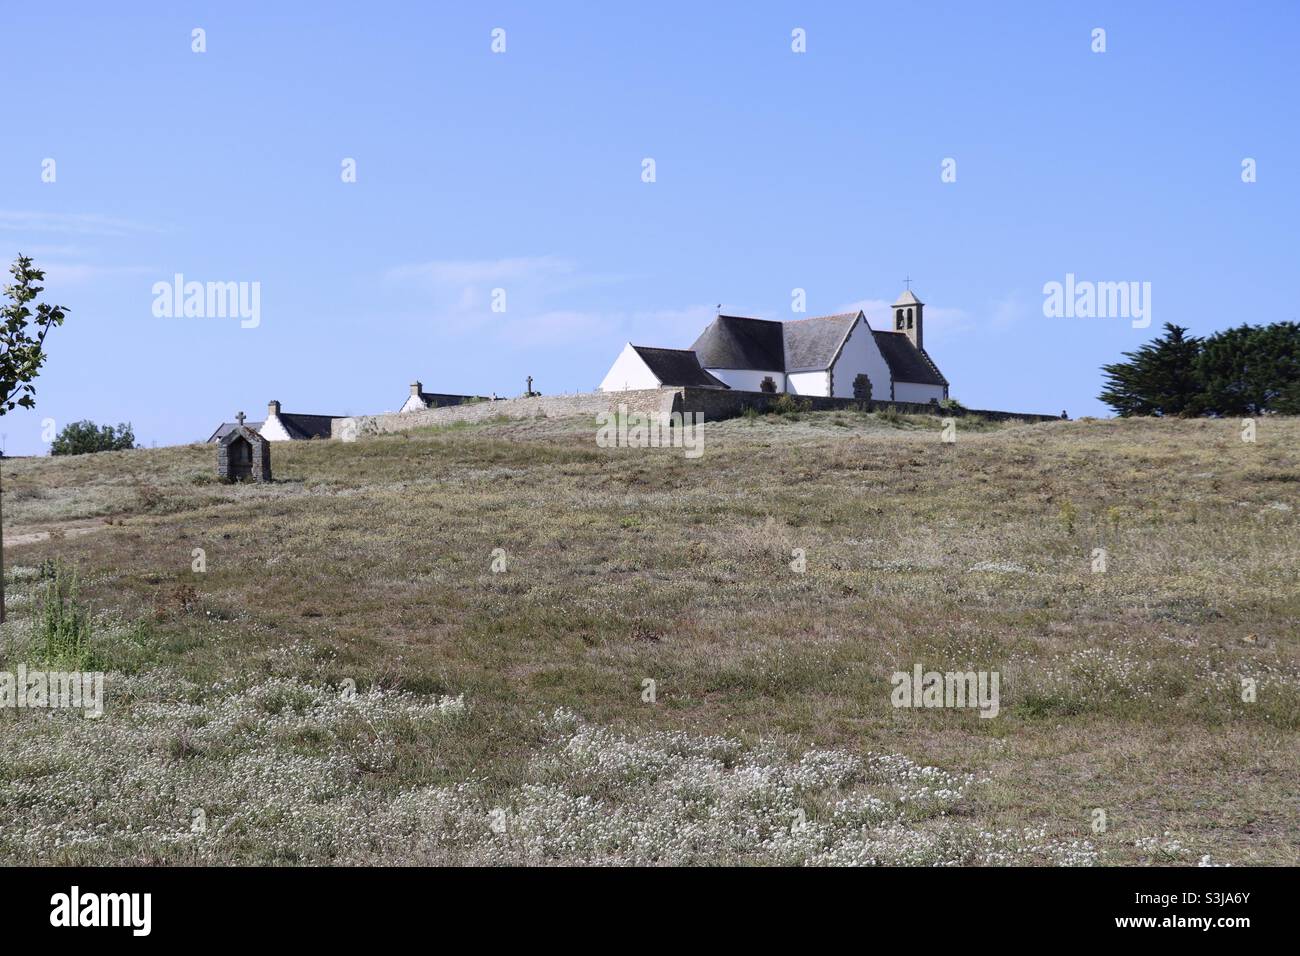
{"x": 907, "y": 317}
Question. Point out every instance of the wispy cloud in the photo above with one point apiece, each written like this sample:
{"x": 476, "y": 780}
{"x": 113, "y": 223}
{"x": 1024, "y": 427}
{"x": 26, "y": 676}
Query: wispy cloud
{"x": 40, "y": 252}
{"x": 537, "y": 312}
{"x": 76, "y": 273}
{"x": 552, "y": 328}
{"x": 944, "y": 323}
{"x": 80, "y": 224}
{"x": 1010, "y": 309}
{"x": 668, "y": 328}
{"x": 461, "y": 272}
{"x": 467, "y": 284}
{"x": 941, "y": 322}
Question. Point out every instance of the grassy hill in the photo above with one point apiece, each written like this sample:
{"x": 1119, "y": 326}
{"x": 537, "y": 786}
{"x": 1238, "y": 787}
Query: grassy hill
{"x": 502, "y": 717}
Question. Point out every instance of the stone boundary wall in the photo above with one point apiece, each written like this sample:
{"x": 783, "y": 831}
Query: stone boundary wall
{"x": 643, "y": 401}
{"x": 716, "y": 404}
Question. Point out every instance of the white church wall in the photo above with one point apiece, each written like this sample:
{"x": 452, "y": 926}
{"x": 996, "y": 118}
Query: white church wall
{"x": 628, "y": 372}
{"x": 413, "y": 404}
{"x": 859, "y": 356}
{"x": 807, "y": 383}
{"x": 748, "y": 380}
{"x": 912, "y": 392}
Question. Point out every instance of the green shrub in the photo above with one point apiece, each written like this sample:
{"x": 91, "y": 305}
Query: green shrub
{"x": 1069, "y": 516}
{"x": 788, "y": 404}
{"x": 64, "y": 630}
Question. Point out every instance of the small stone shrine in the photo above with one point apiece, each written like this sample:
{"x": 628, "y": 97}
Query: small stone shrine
{"x": 243, "y": 454}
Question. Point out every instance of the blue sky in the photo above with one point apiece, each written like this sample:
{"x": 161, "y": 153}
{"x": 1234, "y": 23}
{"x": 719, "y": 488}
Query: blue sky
{"x": 522, "y": 170}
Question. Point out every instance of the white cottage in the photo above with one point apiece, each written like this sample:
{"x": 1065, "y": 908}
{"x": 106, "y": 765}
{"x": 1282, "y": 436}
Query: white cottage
{"x": 282, "y": 426}
{"x": 419, "y": 399}
{"x": 817, "y": 356}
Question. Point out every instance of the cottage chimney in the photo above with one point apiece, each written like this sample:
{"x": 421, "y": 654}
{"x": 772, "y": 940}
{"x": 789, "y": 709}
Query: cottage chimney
{"x": 416, "y": 389}
{"x": 907, "y": 317}
{"x": 272, "y": 409}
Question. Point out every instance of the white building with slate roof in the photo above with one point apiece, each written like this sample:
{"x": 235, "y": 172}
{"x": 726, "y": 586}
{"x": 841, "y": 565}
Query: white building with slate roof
{"x": 281, "y": 426}
{"x": 816, "y": 356}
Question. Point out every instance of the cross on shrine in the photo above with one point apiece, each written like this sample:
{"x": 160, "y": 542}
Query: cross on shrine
{"x": 240, "y": 418}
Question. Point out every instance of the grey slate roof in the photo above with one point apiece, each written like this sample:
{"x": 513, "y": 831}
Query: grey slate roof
{"x": 442, "y": 399}
{"x": 306, "y": 426}
{"x": 248, "y": 432}
{"x": 677, "y": 367}
{"x": 298, "y": 426}
{"x": 225, "y": 428}
{"x": 906, "y": 362}
{"x": 812, "y": 343}
{"x": 733, "y": 341}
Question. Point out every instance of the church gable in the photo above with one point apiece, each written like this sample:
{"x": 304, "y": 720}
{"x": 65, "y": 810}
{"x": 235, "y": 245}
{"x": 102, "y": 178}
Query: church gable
{"x": 859, "y": 355}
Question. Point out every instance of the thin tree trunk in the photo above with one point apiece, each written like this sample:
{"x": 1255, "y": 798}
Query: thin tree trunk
{"x": 2, "y": 550}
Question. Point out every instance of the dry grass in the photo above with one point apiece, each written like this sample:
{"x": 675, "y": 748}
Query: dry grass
{"x": 371, "y": 562}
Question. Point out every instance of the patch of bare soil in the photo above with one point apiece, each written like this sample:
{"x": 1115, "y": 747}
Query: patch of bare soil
{"x": 13, "y": 537}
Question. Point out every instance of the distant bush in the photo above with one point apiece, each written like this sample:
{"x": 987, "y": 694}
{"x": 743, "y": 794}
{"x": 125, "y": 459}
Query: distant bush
{"x": 952, "y": 405}
{"x": 85, "y": 437}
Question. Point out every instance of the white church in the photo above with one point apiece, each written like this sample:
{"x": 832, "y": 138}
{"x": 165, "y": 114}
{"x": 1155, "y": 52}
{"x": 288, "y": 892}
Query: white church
{"x": 816, "y": 356}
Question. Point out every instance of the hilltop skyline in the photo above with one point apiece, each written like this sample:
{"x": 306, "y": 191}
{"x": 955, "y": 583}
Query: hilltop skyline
{"x": 829, "y": 172}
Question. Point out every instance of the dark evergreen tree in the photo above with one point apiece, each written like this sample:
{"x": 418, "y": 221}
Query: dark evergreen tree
{"x": 1250, "y": 370}
{"x": 1288, "y": 401}
{"x": 1160, "y": 378}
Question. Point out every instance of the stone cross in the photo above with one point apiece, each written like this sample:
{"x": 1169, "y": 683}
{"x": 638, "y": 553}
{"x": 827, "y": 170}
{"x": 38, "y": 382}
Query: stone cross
{"x": 530, "y": 385}
{"x": 240, "y": 418}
